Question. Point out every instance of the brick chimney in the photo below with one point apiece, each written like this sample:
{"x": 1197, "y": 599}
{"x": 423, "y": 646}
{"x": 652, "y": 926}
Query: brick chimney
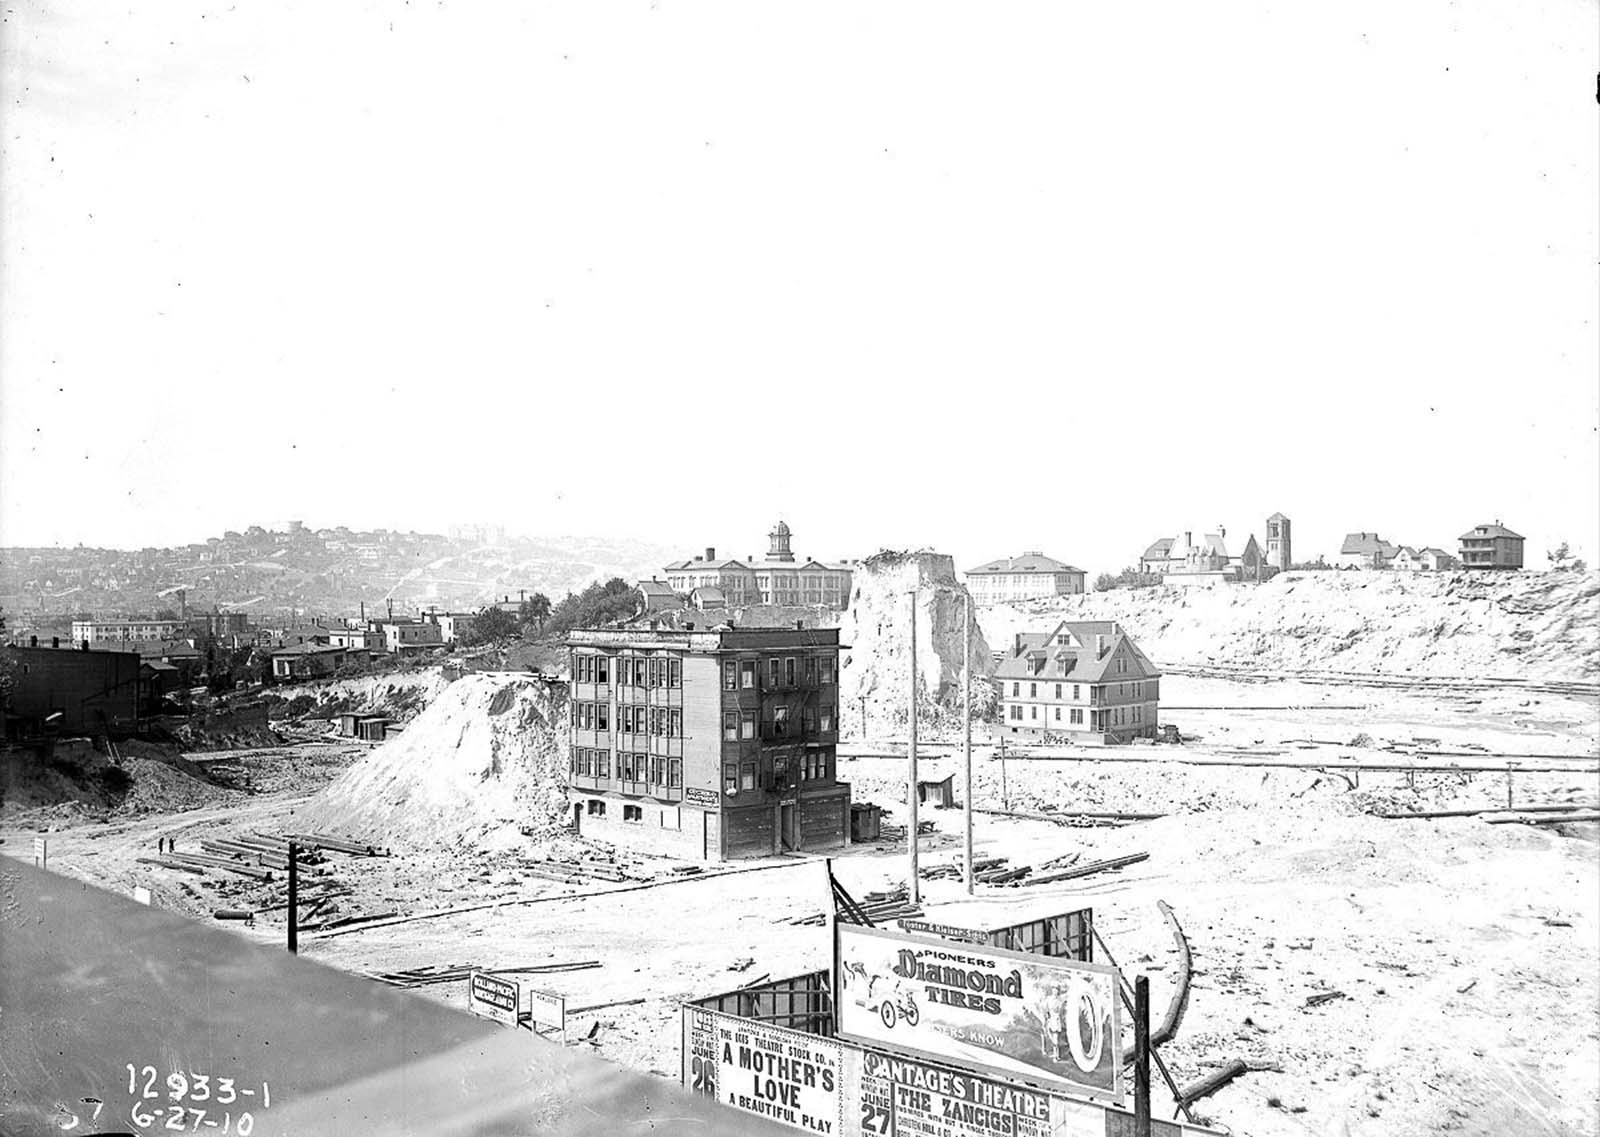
{"x": 1099, "y": 647}
{"x": 711, "y": 553}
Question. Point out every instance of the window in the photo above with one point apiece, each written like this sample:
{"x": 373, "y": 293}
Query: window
{"x": 602, "y": 763}
{"x": 1033, "y": 712}
{"x": 1077, "y": 716}
{"x": 808, "y": 720}
{"x": 1058, "y": 714}
{"x": 788, "y": 672}
{"x": 827, "y": 668}
{"x": 1033, "y": 690}
{"x": 730, "y": 680}
{"x": 747, "y": 776}
{"x": 1016, "y": 711}
{"x": 602, "y": 669}
{"x": 1075, "y": 690}
{"x": 602, "y": 716}
{"x": 597, "y": 808}
{"x": 655, "y": 672}
{"x": 825, "y": 720}
{"x": 730, "y": 778}
{"x": 747, "y": 724}
{"x": 747, "y": 674}
{"x": 638, "y": 672}
{"x": 730, "y": 726}
{"x": 772, "y": 671}
{"x": 811, "y": 671}
{"x": 624, "y": 720}
{"x": 632, "y": 813}
{"x": 658, "y": 771}
{"x": 780, "y": 722}
{"x": 670, "y": 818}
{"x": 1058, "y": 690}
{"x": 674, "y": 672}
{"x": 674, "y": 723}
{"x": 1016, "y": 689}
{"x": 675, "y": 773}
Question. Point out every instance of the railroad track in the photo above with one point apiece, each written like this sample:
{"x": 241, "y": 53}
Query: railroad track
{"x": 1464, "y": 683}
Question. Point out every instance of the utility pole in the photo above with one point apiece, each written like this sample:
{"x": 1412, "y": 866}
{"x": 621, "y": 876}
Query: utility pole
{"x": 294, "y": 900}
{"x": 912, "y": 890}
{"x": 966, "y": 727}
{"x": 1005, "y": 798}
{"x": 863, "y": 718}
{"x": 1141, "y": 1056}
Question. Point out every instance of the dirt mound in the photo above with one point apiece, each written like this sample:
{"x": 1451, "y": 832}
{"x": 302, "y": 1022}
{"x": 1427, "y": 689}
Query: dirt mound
{"x": 877, "y": 667}
{"x": 74, "y": 778}
{"x": 1535, "y": 625}
{"x": 400, "y": 695}
{"x": 483, "y": 766}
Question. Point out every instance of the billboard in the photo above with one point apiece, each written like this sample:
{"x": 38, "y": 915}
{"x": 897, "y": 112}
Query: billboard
{"x": 769, "y": 1071}
{"x": 820, "y": 1085}
{"x": 1055, "y": 1022}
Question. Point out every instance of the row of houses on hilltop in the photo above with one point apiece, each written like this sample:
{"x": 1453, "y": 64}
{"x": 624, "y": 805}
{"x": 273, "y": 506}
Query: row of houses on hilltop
{"x": 1482, "y": 547}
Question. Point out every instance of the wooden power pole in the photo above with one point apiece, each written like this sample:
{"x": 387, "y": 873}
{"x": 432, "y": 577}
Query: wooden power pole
{"x": 912, "y": 890}
{"x": 294, "y": 900}
{"x": 966, "y": 730}
{"x": 1141, "y": 1056}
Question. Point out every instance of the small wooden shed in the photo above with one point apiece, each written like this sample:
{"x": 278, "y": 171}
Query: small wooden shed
{"x": 940, "y": 794}
{"x": 865, "y": 820}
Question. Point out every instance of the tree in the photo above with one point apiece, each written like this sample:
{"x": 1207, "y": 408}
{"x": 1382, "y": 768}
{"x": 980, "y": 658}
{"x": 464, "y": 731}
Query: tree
{"x": 165, "y": 614}
{"x": 1562, "y": 560}
{"x": 491, "y": 625}
{"x": 535, "y": 610}
{"x": 595, "y": 606}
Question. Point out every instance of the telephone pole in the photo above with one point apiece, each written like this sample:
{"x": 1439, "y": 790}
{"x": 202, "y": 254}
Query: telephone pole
{"x": 912, "y": 890}
{"x": 966, "y": 727}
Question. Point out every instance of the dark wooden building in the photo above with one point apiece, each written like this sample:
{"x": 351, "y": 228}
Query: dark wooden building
{"x": 92, "y": 692}
{"x": 708, "y": 744}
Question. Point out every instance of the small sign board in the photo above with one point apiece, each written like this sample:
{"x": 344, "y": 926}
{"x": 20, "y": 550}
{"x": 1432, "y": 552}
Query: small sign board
{"x": 41, "y": 852}
{"x": 141, "y": 894}
{"x": 694, "y": 795}
{"x": 493, "y": 997}
{"x": 943, "y": 931}
{"x": 546, "y": 1009}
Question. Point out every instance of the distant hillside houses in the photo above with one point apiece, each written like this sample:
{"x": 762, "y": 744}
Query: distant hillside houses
{"x": 1183, "y": 560}
{"x": 1363, "y": 550}
{"x": 1030, "y": 576}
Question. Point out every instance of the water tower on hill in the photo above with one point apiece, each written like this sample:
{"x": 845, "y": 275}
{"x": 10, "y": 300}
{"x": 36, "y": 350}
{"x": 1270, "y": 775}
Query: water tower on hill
{"x": 1279, "y": 555}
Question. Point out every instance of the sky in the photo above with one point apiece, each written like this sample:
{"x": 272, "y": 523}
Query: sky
{"x": 982, "y": 278}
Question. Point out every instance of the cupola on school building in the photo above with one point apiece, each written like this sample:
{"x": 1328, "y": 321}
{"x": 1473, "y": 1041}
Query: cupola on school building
{"x": 707, "y": 745}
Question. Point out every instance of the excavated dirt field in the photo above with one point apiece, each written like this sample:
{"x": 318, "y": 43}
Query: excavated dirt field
{"x": 1464, "y": 953}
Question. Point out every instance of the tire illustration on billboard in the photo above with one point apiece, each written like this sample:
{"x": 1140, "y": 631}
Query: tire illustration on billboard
{"x": 1055, "y": 1021}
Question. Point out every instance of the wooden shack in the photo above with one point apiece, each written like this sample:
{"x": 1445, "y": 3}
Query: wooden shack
{"x": 940, "y": 794}
{"x": 348, "y": 724}
{"x": 371, "y": 728}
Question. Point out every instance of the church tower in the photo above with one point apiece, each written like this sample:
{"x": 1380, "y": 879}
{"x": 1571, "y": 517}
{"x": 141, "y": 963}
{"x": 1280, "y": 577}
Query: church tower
{"x": 1279, "y": 555}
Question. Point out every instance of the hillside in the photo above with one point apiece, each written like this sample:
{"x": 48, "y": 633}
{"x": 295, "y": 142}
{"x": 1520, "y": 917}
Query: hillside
{"x": 1533, "y": 625}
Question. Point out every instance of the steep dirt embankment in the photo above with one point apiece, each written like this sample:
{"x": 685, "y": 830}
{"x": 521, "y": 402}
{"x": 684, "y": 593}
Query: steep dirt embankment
{"x": 877, "y": 666}
{"x": 484, "y": 764}
{"x": 400, "y": 695}
{"x": 1535, "y": 625}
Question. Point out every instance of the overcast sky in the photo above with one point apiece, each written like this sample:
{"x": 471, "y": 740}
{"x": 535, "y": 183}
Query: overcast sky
{"x": 985, "y": 277}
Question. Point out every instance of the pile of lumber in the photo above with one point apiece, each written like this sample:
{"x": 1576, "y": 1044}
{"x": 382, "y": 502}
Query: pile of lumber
{"x": 328, "y": 842}
{"x": 879, "y": 907}
{"x": 457, "y": 972}
{"x": 203, "y": 861}
{"x": 260, "y": 851}
{"x": 987, "y": 870}
{"x": 1112, "y": 864}
{"x": 891, "y": 832}
{"x": 578, "y": 871}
